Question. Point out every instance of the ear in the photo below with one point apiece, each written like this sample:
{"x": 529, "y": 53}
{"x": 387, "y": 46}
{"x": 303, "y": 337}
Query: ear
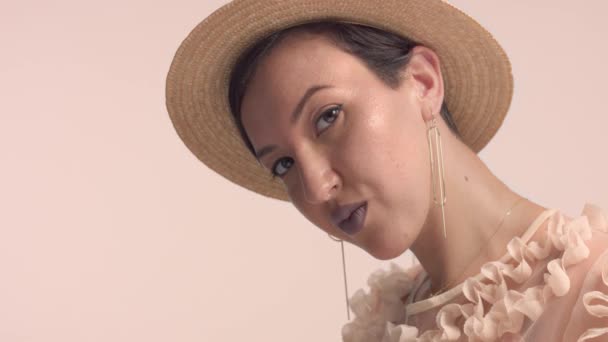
{"x": 424, "y": 71}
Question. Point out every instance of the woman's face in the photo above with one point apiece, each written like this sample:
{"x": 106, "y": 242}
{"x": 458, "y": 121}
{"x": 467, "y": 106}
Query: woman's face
{"x": 355, "y": 139}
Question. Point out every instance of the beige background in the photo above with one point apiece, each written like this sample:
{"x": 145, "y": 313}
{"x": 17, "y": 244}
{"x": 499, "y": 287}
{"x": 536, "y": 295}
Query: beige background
{"x": 110, "y": 230}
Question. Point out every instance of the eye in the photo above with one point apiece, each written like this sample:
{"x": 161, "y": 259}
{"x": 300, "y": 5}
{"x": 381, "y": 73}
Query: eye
{"x": 282, "y": 165}
{"x": 329, "y": 116}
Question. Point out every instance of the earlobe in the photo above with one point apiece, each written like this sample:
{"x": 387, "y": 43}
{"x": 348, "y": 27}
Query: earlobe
{"x": 427, "y": 112}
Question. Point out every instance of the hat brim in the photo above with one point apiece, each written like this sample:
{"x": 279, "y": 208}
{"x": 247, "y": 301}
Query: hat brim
{"x": 476, "y": 72}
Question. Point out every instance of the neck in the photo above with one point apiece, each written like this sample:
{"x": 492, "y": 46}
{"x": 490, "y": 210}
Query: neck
{"x": 477, "y": 202}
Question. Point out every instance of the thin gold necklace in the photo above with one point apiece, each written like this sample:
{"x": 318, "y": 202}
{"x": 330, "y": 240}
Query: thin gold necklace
{"x": 482, "y": 249}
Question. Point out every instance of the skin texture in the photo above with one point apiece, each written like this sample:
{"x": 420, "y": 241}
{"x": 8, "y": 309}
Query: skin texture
{"x": 375, "y": 149}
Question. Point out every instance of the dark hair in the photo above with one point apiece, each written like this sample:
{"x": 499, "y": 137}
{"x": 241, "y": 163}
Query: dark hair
{"x": 385, "y": 54}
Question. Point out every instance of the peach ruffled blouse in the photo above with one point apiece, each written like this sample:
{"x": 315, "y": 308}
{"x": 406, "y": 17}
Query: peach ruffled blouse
{"x": 554, "y": 288}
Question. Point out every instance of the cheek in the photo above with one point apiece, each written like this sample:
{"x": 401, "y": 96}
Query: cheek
{"x": 388, "y": 163}
{"x": 388, "y": 146}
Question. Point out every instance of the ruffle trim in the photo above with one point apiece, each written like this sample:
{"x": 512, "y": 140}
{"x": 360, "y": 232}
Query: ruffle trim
{"x": 597, "y": 310}
{"x": 378, "y": 311}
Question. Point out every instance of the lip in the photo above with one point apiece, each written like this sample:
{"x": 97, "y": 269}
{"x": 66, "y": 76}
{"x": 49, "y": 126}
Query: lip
{"x": 343, "y": 217}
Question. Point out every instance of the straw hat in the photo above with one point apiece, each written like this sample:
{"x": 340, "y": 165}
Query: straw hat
{"x": 476, "y": 71}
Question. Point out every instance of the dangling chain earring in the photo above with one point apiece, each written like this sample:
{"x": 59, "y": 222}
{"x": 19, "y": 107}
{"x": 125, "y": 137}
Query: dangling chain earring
{"x": 437, "y": 169}
{"x": 344, "y": 271}
{"x": 436, "y": 153}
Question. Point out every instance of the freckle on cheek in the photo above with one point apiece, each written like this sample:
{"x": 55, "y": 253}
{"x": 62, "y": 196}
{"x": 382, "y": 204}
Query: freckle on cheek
{"x": 375, "y": 121}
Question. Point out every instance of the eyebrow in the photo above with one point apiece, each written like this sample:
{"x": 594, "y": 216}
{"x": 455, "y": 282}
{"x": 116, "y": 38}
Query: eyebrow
{"x": 295, "y": 115}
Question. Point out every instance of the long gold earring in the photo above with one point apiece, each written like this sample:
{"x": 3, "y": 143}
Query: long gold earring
{"x": 344, "y": 272}
{"x": 437, "y": 168}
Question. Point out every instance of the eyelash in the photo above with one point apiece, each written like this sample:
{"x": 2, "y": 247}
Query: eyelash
{"x": 337, "y": 108}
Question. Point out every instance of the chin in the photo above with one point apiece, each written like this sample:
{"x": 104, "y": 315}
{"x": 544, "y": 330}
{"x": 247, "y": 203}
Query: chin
{"x": 387, "y": 249}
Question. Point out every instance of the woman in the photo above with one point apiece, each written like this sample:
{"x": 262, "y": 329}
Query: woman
{"x": 367, "y": 118}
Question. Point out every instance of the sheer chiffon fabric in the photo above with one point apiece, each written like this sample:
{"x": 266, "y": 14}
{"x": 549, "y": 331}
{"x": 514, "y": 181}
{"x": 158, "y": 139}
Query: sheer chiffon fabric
{"x": 551, "y": 288}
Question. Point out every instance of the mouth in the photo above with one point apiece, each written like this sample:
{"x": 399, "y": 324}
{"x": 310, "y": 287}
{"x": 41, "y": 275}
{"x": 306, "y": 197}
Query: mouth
{"x": 354, "y": 222}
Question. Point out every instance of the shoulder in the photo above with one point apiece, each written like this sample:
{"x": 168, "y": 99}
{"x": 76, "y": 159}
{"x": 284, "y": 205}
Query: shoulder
{"x": 589, "y": 314}
{"x": 589, "y": 279}
{"x": 585, "y": 241}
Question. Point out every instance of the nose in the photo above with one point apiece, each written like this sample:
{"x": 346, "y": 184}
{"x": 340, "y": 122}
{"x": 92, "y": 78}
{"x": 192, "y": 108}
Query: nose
{"x": 318, "y": 179}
